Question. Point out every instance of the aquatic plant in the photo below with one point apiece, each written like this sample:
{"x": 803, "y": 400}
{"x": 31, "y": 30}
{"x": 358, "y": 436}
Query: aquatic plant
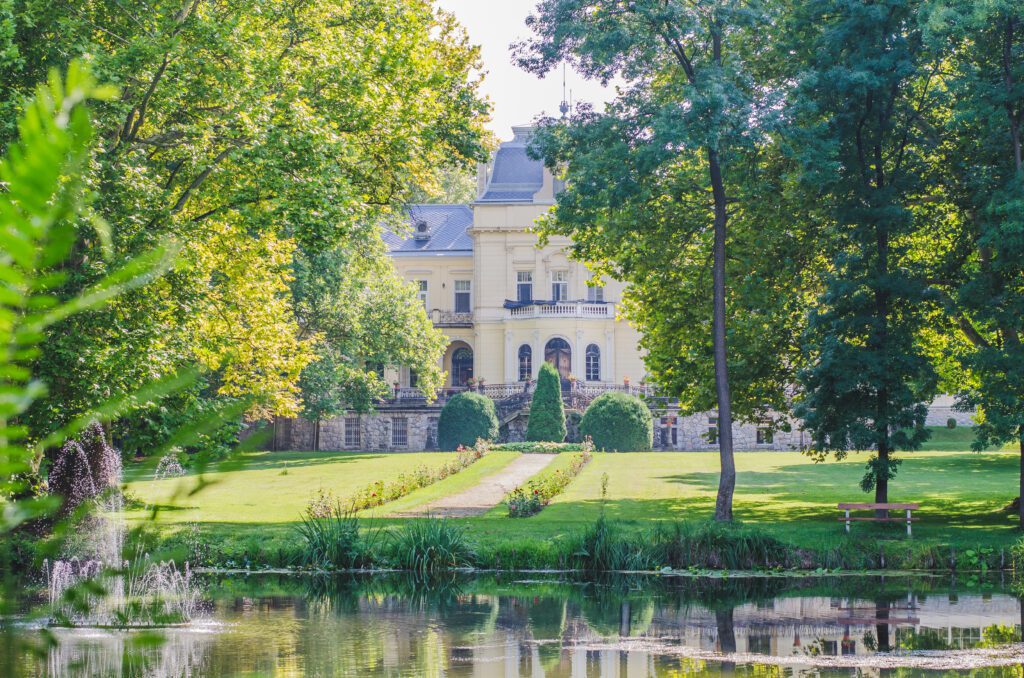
{"x": 333, "y": 541}
{"x": 430, "y": 545}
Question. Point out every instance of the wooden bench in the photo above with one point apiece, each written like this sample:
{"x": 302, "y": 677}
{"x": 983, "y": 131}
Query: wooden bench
{"x": 909, "y": 508}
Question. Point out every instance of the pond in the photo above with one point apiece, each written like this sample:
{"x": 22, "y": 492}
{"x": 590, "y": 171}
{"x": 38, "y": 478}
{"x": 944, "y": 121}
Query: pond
{"x": 554, "y": 625}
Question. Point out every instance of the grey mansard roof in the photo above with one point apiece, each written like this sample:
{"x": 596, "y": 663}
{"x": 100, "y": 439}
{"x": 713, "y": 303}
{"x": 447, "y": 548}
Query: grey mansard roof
{"x": 514, "y": 176}
{"x": 446, "y": 224}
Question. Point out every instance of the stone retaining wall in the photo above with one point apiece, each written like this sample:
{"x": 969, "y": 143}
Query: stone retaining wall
{"x": 382, "y": 431}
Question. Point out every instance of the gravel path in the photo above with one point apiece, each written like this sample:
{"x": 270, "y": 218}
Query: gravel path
{"x": 479, "y": 499}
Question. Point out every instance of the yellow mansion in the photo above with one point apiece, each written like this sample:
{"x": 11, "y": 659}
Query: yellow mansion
{"x": 506, "y": 304}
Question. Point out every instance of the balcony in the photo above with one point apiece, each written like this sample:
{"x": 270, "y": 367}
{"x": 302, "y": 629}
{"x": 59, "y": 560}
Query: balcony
{"x": 451, "y": 318}
{"x": 597, "y": 310}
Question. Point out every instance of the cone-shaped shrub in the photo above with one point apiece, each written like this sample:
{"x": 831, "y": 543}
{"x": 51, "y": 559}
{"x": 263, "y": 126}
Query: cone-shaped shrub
{"x": 464, "y": 418}
{"x": 616, "y": 421}
{"x": 547, "y": 416}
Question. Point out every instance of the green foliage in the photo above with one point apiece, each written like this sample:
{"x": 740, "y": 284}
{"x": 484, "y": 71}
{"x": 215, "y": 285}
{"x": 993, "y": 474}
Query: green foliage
{"x": 528, "y": 499}
{"x": 863, "y": 109}
{"x": 538, "y": 447}
{"x": 547, "y": 414}
{"x": 951, "y": 423}
{"x": 333, "y": 541}
{"x": 618, "y": 422}
{"x": 466, "y": 418}
{"x": 428, "y": 546}
{"x": 233, "y": 130}
{"x": 364, "y": 315}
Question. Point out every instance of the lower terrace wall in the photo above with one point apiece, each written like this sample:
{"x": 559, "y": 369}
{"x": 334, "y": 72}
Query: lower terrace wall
{"x": 415, "y": 429}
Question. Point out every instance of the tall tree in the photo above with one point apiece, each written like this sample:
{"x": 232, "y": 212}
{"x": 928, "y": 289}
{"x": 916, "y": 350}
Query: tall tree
{"x": 249, "y": 131}
{"x": 980, "y": 276}
{"x": 649, "y": 176}
{"x": 866, "y": 91}
{"x": 363, "y": 315}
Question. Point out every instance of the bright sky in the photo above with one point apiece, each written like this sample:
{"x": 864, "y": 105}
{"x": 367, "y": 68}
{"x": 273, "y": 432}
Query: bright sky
{"x": 517, "y": 96}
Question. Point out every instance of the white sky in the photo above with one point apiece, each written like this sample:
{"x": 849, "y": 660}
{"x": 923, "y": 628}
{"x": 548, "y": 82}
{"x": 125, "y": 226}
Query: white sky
{"x": 517, "y": 96}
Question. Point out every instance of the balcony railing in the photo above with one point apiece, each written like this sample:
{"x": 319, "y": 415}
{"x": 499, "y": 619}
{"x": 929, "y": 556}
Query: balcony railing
{"x": 576, "y": 394}
{"x": 451, "y": 318}
{"x": 560, "y": 309}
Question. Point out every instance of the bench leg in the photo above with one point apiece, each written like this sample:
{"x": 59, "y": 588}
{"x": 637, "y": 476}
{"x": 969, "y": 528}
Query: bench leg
{"x": 847, "y": 521}
{"x": 908, "y": 523}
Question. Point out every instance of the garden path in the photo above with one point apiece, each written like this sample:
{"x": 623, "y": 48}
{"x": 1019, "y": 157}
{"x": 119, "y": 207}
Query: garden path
{"x": 481, "y": 498}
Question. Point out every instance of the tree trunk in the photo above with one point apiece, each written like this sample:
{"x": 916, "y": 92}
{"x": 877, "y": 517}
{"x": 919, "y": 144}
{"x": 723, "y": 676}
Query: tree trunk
{"x": 1020, "y": 500}
{"x": 882, "y": 479}
{"x": 727, "y": 479}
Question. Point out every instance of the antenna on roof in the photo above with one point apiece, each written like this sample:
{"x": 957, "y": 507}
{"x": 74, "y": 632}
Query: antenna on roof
{"x": 564, "y": 107}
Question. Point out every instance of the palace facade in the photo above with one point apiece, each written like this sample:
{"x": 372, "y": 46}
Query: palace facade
{"x": 506, "y": 305}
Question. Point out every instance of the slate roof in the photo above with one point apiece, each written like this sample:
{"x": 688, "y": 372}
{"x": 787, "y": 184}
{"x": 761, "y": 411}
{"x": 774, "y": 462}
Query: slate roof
{"x": 446, "y": 224}
{"x": 515, "y": 176}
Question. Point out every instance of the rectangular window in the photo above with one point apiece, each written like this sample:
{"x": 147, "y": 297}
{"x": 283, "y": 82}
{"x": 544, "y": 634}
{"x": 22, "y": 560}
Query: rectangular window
{"x": 463, "y": 303}
{"x": 524, "y": 286}
{"x": 352, "y": 441}
{"x": 595, "y": 293}
{"x": 414, "y": 379}
{"x": 422, "y": 293}
{"x": 559, "y": 285}
{"x": 765, "y": 436}
{"x": 713, "y": 430}
{"x": 399, "y": 432}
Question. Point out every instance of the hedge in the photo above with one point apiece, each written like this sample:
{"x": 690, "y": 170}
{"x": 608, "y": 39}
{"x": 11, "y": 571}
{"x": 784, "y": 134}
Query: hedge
{"x": 547, "y": 415}
{"x": 538, "y": 447}
{"x": 466, "y": 418}
{"x": 617, "y": 421}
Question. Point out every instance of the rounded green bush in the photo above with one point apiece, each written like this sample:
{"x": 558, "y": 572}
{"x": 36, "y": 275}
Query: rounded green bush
{"x": 465, "y": 418}
{"x": 547, "y": 414}
{"x": 620, "y": 422}
{"x": 951, "y": 423}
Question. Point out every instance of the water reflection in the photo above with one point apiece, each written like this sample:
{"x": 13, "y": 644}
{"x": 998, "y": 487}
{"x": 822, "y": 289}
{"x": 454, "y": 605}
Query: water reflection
{"x": 503, "y": 626}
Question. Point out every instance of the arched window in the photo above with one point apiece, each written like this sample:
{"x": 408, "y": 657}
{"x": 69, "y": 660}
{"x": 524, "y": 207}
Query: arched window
{"x": 462, "y": 366}
{"x": 525, "y": 362}
{"x": 593, "y": 358}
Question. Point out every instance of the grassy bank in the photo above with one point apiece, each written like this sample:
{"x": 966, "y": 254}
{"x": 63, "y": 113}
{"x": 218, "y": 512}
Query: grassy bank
{"x": 249, "y": 514}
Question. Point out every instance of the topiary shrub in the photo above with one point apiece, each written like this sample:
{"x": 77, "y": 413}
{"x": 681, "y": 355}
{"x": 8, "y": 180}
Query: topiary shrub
{"x": 464, "y": 419}
{"x": 547, "y": 415}
{"x": 951, "y": 423}
{"x": 616, "y": 421}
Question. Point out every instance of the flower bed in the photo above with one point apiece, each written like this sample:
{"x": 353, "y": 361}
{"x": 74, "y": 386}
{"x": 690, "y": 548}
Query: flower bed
{"x": 379, "y": 493}
{"x": 528, "y": 499}
{"x": 539, "y": 447}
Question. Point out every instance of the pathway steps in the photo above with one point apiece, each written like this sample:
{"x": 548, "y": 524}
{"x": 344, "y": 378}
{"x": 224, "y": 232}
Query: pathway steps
{"x": 481, "y": 498}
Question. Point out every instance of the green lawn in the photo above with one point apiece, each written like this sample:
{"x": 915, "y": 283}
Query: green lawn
{"x": 962, "y": 493}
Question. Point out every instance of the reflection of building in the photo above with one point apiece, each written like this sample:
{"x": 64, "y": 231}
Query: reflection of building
{"x": 505, "y": 304}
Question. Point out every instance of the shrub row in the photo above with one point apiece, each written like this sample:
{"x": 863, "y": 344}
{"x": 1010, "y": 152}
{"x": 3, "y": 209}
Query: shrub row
{"x": 379, "y": 493}
{"x": 530, "y": 498}
{"x": 602, "y": 546}
{"x": 539, "y": 447}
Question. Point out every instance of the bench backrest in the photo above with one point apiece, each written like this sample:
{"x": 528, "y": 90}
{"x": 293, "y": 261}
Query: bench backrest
{"x": 878, "y": 507}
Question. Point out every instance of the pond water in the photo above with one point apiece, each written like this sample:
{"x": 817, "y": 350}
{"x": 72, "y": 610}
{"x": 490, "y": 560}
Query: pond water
{"x": 519, "y": 625}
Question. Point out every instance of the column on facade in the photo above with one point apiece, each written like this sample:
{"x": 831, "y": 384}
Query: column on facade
{"x": 607, "y": 366}
{"x": 538, "y": 354}
{"x": 511, "y": 357}
{"x": 578, "y": 356}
